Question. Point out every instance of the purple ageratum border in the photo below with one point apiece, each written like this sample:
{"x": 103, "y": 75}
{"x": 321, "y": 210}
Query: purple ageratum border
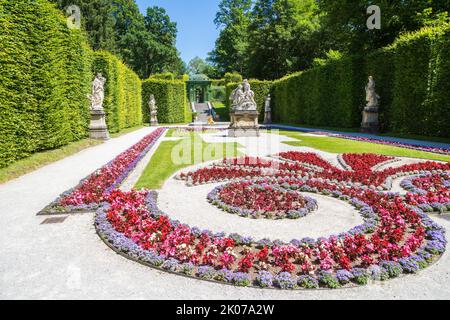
{"x": 408, "y": 185}
{"x": 426, "y": 255}
{"x": 385, "y": 142}
{"x": 55, "y": 208}
{"x": 214, "y": 198}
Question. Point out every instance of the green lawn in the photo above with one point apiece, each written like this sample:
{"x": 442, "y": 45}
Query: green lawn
{"x": 41, "y": 159}
{"x": 337, "y": 145}
{"x": 389, "y": 134}
{"x": 222, "y": 111}
{"x": 172, "y": 156}
{"x": 319, "y": 127}
{"x": 417, "y": 137}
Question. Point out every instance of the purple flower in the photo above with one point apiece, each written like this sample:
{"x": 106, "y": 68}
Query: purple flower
{"x": 171, "y": 265}
{"x": 344, "y": 276}
{"x": 308, "y": 282}
{"x": 285, "y": 280}
{"x": 224, "y": 275}
{"x": 264, "y": 279}
{"x": 241, "y": 279}
{"x": 360, "y": 276}
{"x": 206, "y": 272}
{"x": 187, "y": 268}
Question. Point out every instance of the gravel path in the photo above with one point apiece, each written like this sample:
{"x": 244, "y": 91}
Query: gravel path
{"x": 332, "y": 216}
{"x": 69, "y": 261}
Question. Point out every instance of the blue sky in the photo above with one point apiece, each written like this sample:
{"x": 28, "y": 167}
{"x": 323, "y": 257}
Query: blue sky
{"x": 196, "y": 30}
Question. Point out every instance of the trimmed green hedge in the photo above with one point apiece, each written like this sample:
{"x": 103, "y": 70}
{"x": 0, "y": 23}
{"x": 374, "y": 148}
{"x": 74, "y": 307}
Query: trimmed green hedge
{"x": 413, "y": 80}
{"x": 163, "y": 76}
{"x": 123, "y": 92}
{"x": 171, "y": 100}
{"x": 261, "y": 89}
{"x": 323, "y": 96}
{"x": 45, "y": 74}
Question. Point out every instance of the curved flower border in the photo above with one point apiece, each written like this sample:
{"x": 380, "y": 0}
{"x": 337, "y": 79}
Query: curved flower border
{"x": 428, "y": 254}
{"x": 215, "y": 199}
{"x": 121, "y": 166}
{"x": 422, "y": 248}
{"x": 412, "y": 146}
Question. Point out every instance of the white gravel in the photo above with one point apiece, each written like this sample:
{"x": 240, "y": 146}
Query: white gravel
{"x": 189, "y": 205}
{"x": 69, "y": 261}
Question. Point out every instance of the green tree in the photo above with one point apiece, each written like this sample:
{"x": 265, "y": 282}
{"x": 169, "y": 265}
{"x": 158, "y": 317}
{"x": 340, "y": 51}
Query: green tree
{"x": 283, "y": 37}
{"x": 97, "y": 20}
{"x": 199, "y": 66}
{"x": 145, "y": 43}
{"x": 344, "y": 22}
{"x": 230, "y": 53}
{"x": 158, "y": 23}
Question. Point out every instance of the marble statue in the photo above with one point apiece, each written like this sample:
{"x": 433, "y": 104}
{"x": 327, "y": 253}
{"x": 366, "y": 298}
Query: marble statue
{"x": 267, "y": 111}
{"x": 98, "y": 128}
{"x": 236, "y": 97}
{"x": 98, "y": 93}
{"x": 244, "y": 113}
{"x": 243, "y": 98}
{"x": 372, "y": 97}
{"x": 370, "y": 122}
{"x": 153, "y": 111}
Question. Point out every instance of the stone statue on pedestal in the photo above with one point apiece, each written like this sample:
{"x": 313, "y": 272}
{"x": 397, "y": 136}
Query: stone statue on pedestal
{"x": 244, "y": 114}
{"x": 98, "y": 93}
{"x": 153, "y": 111}
{"x": 267, "y": 111}
{"x": 243, "y": 98}
{"x": 370, "y": 122}
{"x": 98, "y": 129}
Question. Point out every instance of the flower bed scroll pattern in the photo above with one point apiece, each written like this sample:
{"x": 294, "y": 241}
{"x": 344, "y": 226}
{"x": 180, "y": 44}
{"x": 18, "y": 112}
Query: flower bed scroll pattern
{"x": 396, "y": 238}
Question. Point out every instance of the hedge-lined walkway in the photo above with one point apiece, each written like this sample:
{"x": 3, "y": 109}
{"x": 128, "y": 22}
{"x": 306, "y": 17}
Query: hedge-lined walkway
{"x": 69, "y": 261}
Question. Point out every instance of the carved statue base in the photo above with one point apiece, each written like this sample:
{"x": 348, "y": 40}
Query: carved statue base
{"x": 268, "y": 118}
{"x": 370, "y": 123}
{"x": 154, "y": 122}
{"x": 244, "y": 124}
{"x": 98, "y": 129}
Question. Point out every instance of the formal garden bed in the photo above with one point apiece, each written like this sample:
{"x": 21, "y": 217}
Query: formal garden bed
{"x": 397, "y": 236}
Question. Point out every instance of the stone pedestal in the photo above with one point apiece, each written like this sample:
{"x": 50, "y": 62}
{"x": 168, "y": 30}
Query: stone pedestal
{"x": 244, "y": 124}
{"x": 154, "y": 123}
{"x": 268, "y": 118}
{"x": 370, "y": 123}
{"x": 98, "y": 129}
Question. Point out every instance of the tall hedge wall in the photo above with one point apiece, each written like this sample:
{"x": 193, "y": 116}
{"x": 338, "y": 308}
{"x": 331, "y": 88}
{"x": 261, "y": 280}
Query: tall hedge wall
{"x": 327, "y": 95}
{"x": 171, "y": 100}
{"x": 45, "y": 74}
{"x": 123, "y": 92}
{"x": 413, "y": 80}
{"x": 261, "y": 90}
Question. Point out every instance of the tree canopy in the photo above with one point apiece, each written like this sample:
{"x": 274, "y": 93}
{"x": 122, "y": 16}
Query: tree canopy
{"x": 145, "y": 43}
{"x": 267, "y": 39}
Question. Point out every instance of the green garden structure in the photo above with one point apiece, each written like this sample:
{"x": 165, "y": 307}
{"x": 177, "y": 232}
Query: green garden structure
{"x": 198, "y": 88}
